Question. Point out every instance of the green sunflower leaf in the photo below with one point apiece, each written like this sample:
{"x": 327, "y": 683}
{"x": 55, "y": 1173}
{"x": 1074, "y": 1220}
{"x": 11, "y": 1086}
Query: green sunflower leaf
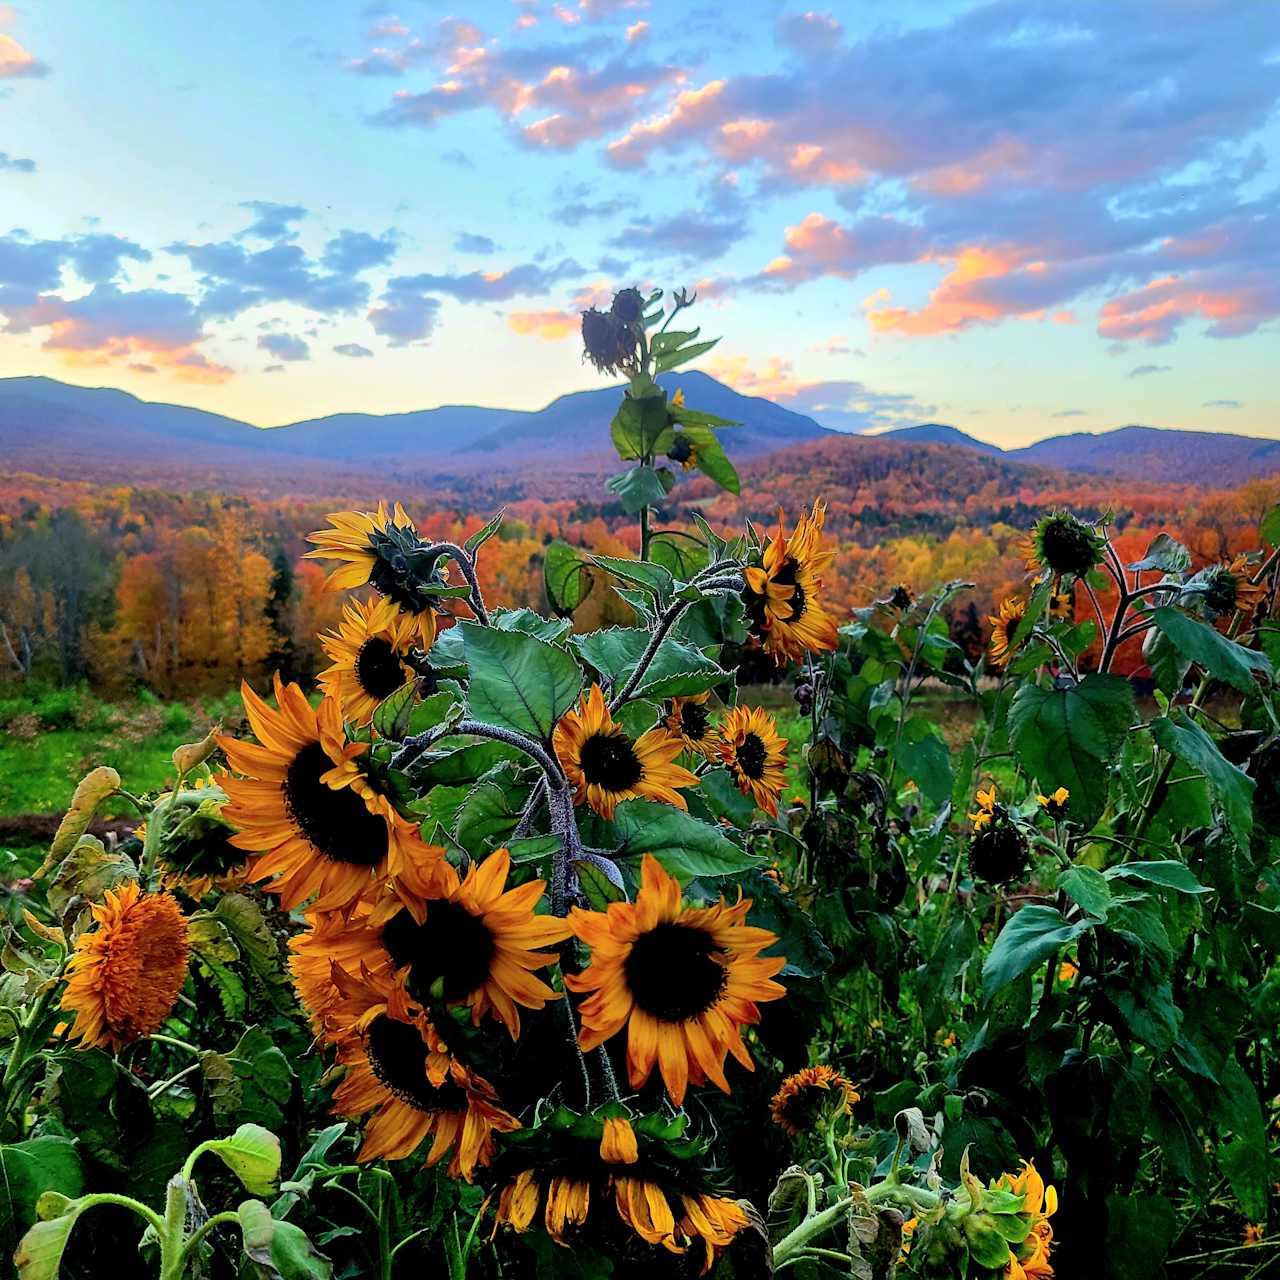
{"x": 677, "y": 671}
{"x": 673, "y": 359}
{"x": 483, "y": 534}
{"x": 1233, "y": 789}
{"x": 685, "y": 846}
{"x": 28, "y": 1169}
{"x": 518, "y": 681}
{"x": 712, "y": 460}
{"x": 1203, "y": 645}
{"x": 652, "y": 578}
{"x": 566, "y": 577}
{"x": 638, "y": 426}
{"x": 1031, "y": 935}
{"x": 637, "y": 488}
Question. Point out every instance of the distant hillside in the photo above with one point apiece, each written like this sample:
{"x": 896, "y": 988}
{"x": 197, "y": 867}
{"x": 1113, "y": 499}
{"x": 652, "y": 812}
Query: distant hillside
{"x": 1158, "y": 455}
{"x": 938, "y": 433}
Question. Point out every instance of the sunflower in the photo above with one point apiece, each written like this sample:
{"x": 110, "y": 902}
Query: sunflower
{"x": 605, "y": 767}
{"x": 368, "y": 651}
{"x": 681, "y": 979}
{"x": 124, "y": 975}
{"x": 1055, "y": 805}
{"x": 755, "y": 754}
{"x": 1062, "y": 605}
{"x": 465, "y": 940}
{"x": 689, "y": 720}
{"x": 307, "y": 809}
{"x": 809, "y": 1094}
{"x": 998, "y": 853}
{"x": 195, "y": 853}
{"x": 1029, "y": 1260}
{"x": 1229, "y": 588}
{"x": 1003, "y": 625}
{"x": 782, "y": 594}
{"x": 383, "y": 550}
{"x": 399, "y": 1073}
{"x": 1064, "y": 545}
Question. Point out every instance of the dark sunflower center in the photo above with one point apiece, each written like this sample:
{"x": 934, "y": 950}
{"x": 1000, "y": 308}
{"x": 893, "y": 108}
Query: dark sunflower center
{"x": 693, "y": 721}
{"x": 609, "y": 760}
{"x": 337, "y": 823}
{"x": 1223, "y": 591}
{"x": 1067, "y": 548}
{"x": 209, "y": 854}
{"x": 675, "y": 972}
{"x": 751, "y": 757}
{"x": 802, "y": 1108}
{"x": 378, "y": 668}
{"x": 999, "y": 853}
{"x": 451, "y": 944}
{"x": 398, "y": 1057}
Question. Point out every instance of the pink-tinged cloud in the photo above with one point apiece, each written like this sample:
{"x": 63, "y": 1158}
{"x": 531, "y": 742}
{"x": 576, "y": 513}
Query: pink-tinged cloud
{"x": 112, "y": 326}
{"x": 1154, "y": 313}
{"x": 959, "y": 301}
{"x": 819, "y": 246}
{"x": 637, "y": 31}
{"x": 551, "y": 326}
{"x": 15, "y": 61}
{"x": 690, "y": 112}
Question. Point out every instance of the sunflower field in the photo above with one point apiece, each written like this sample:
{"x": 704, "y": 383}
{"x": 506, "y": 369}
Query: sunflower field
{"x": 515, "y": 950}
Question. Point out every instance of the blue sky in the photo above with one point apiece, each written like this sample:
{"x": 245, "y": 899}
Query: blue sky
{"x": 1020, "y": 218}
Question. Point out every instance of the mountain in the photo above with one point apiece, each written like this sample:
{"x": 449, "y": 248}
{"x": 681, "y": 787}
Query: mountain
{"x": 54, "y": 428}
{"x": 938, "y": 433}
{"x": 1158, "y": 454}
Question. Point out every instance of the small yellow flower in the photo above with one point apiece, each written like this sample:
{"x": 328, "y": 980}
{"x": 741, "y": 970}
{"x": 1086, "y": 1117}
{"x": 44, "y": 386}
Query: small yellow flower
{"x": 1253, "y": 1233}
{"x": 1055, "y": 805}
{"x": 677, "y": 400}
{"x": 1067, "y": 972}
{"x": 986, "y": 802}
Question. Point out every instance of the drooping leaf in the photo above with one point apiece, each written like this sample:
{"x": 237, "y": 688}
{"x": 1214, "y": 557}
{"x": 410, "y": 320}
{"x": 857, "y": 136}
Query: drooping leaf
{"x": 677, "y": 669}
{"x": 485, "y": 532}
{"x": 674, "y": 359}
{"x": 252, "y": 1153}
{"x": 1203, "y": 645}
{"x": 1232, "y": 787}
{"x": 1088, "y": 888}
{"x": 637, "y": 488}
{"x": 1067, "y": 738}
{"x": 652, "y": 578}
{"x": 1030, "y": 936}
{"x": 1165, "y": 554}
{"x": 517, "y": 681}
{"x": 566, "y": 577}
{"x": 924, "y": 757}
{"x": 1167, "y": 873}
{"x": 27, "y": 1170}
{"x": 279, "y": 1250}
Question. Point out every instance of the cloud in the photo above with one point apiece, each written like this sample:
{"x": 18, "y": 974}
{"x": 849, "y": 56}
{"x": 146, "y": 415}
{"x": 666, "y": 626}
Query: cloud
{"x": 109, "y": 325}
{"x": 271, "y": 221}
{"x": 810, "y": 34}
{"x": 492, "y": 286}
{"x": 469, "y": 242}
{"x": 405, "y": 314}
{"x": 350, "y": 252}
{"x": 15, "y": 164}
{"x": 1224, "y": 404}
{"x": 284, "y": 346}
{"x": 842, "y": 404}
{"x": 548, "y": 325}
{"x": 17, "y": 62}
{"x": 691, "y": 236}
{"x": 1070, "y": 413}
{"x": 354, "y": 350}
{"x": 1146, "y": 370}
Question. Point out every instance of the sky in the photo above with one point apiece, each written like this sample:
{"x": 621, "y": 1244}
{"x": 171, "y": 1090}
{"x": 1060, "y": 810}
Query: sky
{"x": 1020, "y": 218}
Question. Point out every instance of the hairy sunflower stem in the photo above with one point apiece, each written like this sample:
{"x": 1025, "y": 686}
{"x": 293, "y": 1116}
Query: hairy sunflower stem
{"x": 466, "y": 562}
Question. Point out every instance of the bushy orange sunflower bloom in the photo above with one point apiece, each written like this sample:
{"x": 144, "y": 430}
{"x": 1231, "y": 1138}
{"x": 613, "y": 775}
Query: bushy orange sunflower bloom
{"x": 807, "y": 1094}
{"x": 681, "y": 979}
{"x": 304, "y": 806}
{"x": 755, "y": 754}
{"x": 124, "y": 976}
{"x": 605, "y": 767}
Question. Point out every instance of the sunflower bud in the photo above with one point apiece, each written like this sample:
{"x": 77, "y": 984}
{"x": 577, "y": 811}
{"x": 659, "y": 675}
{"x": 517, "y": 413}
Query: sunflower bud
{"x": 192, "y": 754}
{"x": 998, "y": 853}
{"x": 681, "y": 450}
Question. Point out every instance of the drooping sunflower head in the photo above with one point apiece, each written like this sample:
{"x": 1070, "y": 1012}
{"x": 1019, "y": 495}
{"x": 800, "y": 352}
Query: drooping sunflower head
{"x": 1229, "y": 588}
{"x": 1055, "y": 805}
{"x": 400, "y": 1075}
{"x": 689, "y": 719}
{"x": 1004, "y": 624}
{"x": 369, "y": 652}
{"x": 608, "y": 341}
{"x": 783, "y": 591}
{"x": 901, "y": 598}
{"x": 998, "y": 852}
{"x": 581, "y": 1174}
{"x": 683, "y": 451}
{"x": 384, "y": 550}
{"x": 195, "y": 852}
{"x": 682, "y": 979}
{"x": 320, "y": 828}
{"x": 811, "y": 1096}
{"x": 755, "y": 754}
{"x": 627, "y": 306}
{"x": 1064, "y": 545}
{"x": 605, "y": 767}
{"x": 126, "y": 972}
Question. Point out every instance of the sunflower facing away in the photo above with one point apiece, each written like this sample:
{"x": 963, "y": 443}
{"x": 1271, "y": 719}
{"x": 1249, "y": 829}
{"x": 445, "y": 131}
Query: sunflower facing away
{"x": 1003, "y": 625}
{"x": 126, "y": 972}
{"x": 1064, "y": 545}
{"x": 305, "y": 807}
{"x": 644, "y": 1199}
{"x": 368, "y": 651}
{"x": 384, "y": 550}
{"x": 689, "y": 719}
{"x": 465, "y": 940}
{"x": 399, "y": 1073}
{"x": 1230, "y": 588}
{"x": 809, "y": 1094}
{"x": 783, "y": 592}
{"x": 605, "y": 767}
{"x": 195, "y": 852}
{"x": 681, "y": 979}
{"x": 755, "y": 754}
{"x": 1029, "y": 1260}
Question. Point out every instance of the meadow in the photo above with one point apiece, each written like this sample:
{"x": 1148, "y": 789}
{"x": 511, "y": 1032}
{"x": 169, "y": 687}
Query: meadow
{"x": 506, "y": 894}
